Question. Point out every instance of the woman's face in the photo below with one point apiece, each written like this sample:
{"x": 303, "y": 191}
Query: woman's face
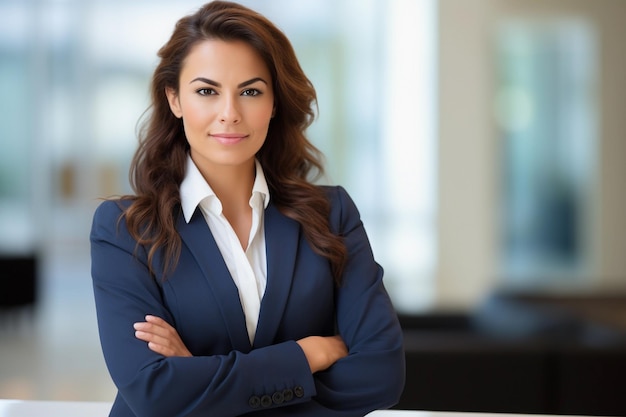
{"x": 226, "y": 101}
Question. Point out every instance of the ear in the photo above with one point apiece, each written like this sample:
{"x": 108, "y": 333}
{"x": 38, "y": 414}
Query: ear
{"x": 172, "y": 98}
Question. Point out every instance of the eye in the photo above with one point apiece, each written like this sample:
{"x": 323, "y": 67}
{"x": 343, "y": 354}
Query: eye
{"x": 251, "y": 92}
{"x": 206, "y": 91}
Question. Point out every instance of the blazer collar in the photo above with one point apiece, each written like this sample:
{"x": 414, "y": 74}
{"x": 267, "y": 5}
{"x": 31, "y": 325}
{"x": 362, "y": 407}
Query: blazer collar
{"x": 197, "y": 236}
{"x": 281, "y": 239}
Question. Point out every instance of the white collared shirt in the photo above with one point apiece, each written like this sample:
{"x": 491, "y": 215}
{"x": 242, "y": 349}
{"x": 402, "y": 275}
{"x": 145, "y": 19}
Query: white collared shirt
{"x": 248, "y": 268}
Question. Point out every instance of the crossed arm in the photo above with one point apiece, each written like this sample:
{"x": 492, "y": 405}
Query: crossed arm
{"x": 321, "y": 352}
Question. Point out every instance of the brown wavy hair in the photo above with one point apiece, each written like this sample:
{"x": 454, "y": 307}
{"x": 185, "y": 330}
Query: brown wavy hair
{"x": 290, "y": 162}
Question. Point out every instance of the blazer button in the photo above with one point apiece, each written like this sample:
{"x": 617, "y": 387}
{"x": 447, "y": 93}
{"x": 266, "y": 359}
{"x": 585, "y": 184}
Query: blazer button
{"x": 277, "y": 397}
{"x": 298, "y": 391}
{"x": 254, "y": 401}
{"x": 287, "y": 395}
{"x": 266, "y": 400}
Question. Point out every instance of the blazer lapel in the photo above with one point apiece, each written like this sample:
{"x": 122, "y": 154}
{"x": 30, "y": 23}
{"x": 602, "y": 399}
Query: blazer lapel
{"x": 282, "y": 235}
{"x": 197, "y": 236}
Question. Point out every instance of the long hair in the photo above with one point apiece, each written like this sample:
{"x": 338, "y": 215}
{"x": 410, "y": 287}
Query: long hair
{"x": 290, "y": 162}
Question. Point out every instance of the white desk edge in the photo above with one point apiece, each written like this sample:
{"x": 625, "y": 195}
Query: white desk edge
{"x": 34, "y": 408}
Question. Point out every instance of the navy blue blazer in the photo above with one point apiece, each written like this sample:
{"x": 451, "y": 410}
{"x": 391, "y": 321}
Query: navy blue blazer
{"x": 227, "y": 376}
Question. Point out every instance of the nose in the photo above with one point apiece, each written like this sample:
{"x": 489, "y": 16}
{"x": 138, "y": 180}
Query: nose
{"x": 229, "y": 112}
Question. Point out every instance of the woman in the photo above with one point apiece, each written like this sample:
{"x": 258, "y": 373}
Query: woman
{"x": 230, "y": 283}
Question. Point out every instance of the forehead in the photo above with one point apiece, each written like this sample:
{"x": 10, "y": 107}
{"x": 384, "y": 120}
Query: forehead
{"x": 215, "y": 58}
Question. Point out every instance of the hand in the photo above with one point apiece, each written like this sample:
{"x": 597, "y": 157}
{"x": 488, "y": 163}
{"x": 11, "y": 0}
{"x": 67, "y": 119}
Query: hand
{"x": 161, "y": 337}
{"x": 322, "y": 352}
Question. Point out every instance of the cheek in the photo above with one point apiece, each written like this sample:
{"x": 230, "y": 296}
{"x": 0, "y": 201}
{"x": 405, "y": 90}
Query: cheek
{"x": 195, "y": 117}
{"x": 263, "y": 122}
{"x": 263, "y": 118}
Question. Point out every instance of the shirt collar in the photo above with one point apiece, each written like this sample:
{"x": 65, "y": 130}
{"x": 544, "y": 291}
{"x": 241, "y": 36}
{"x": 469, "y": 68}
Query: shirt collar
{"x": 194, "y": 189}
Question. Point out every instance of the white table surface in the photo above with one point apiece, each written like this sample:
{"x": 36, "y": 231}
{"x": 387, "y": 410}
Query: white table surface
{"x": 23, "y": 408}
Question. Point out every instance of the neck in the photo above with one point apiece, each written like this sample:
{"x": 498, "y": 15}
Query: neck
{"x": 232, "y": 184}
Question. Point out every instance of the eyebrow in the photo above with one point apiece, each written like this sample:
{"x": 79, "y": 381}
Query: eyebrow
{"x": 216, "y": 84}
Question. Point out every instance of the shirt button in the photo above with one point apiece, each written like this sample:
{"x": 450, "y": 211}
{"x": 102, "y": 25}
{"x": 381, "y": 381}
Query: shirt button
{"x": 298, "y": 391}
{"x": 254, "y": 401}
{"x": 266, "y": 400}
{"x": 287, "y": 395}
{"x": 278, "y": 398}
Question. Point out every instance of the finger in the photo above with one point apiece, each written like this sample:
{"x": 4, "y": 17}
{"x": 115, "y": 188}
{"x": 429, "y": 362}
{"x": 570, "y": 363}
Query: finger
{"x": 168, "y": 350}
{"x": 154, "y": 338}
{"x": 165, "y": 331}
{"x": 160, "y": 349}
{"x": 156, "y": 320}
{"x": 152, "y": 321}
{"x": 146, "y": 336}
{"x": 142, "y": 325}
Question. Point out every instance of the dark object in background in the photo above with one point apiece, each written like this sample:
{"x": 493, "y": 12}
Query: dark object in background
{"x": 18, "y": 280}
{"x": 533, "y": 353}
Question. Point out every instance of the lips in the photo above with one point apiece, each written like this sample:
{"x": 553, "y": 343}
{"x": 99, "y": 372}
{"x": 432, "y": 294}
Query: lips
{"x": 228, "y": 138}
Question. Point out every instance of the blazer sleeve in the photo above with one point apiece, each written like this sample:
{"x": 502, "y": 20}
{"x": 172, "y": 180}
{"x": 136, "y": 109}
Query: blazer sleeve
{"x": 372, "y": 376}
{"x": 152, "y": 385}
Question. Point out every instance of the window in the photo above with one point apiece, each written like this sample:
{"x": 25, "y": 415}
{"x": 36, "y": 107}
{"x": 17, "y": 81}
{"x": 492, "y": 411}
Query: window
{"x": 547, "y": 126}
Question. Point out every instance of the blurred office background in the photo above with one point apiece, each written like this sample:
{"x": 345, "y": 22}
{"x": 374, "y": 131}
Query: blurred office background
{"x": 484, "y": 142}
